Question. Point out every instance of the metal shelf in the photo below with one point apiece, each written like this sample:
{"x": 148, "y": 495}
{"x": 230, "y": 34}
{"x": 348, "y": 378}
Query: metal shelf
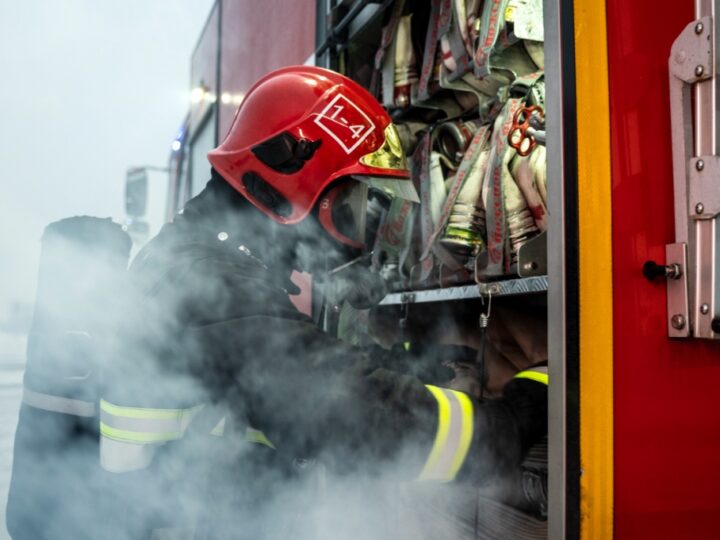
{"x": 355, "y": 12}
{"x": 507, "y": 287}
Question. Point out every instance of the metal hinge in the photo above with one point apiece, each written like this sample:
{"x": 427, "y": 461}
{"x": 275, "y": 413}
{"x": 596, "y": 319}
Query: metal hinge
{"x": 691, "y": 261}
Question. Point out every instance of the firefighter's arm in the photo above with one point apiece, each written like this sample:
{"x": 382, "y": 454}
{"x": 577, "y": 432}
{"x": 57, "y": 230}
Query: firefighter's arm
{"x": 505, "y": 428}
{"x": 314, "y": 396}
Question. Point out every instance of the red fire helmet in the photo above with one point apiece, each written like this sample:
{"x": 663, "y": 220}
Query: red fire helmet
{"x": 298, "y": 130}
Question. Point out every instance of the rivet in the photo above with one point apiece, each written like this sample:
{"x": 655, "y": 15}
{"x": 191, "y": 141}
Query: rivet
{"x": 699, "y": 70}
{"x": 699, "y": 27}
{"x": 699, "y": 208}
{"x": 223, "y": 236}
{"x": 677, "y": 321}
{"x": 704, "y": 309}
{"x": 699, "y": 164}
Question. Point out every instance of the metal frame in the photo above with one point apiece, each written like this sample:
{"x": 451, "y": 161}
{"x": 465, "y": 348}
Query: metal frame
{"x": 703, "y": 304}
{"x": 328, "y": 40}
{"x": 693, "y": 308}
{"x": 218, "y": 78}
{"x": 506, "y": 287}
{"x": 210, "y": 113}
{"x": 557, "y": 280}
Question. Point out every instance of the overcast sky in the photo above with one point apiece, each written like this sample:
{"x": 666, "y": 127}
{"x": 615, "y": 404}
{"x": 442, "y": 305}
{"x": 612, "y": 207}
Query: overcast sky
{"x": 87, "y": 88}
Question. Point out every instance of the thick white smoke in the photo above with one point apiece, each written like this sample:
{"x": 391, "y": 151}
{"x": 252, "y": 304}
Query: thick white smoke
{"x": 224, "y": 484}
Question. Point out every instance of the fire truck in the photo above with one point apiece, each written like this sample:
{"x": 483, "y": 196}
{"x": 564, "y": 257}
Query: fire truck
{"x": 620, "y": 101}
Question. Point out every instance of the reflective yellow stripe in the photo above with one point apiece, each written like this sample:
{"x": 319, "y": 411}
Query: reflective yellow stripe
{"x": 258, "y": 437}
{"x": 219, "y": 429}
{"x": 144, "y": 425}
{"x": 442, "y": 431}
{"x": 137, "y": 436}
{"x": 466, "y": 434}
{"x": 533, "y": 375}
{"x": 146, "y": 413}
{"x": 453, "y": 437}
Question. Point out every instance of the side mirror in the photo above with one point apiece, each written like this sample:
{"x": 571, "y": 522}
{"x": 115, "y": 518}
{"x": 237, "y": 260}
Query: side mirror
{"x": 136, "y": 191}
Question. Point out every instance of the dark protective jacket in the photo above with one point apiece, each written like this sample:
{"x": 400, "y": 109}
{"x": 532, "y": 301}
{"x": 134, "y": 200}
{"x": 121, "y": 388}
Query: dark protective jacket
{"x": 212, "y": 337}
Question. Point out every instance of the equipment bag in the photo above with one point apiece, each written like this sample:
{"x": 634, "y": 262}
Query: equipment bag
{"x": 55, "y": 466}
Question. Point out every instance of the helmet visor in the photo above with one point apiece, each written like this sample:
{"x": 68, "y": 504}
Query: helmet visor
{"x": 344, "y": 209}
{"x": 390, "y": 155}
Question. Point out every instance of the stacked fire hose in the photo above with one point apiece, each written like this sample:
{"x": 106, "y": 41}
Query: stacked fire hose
{"x": 463, "y": 81}
{"x": 470, "y": 109}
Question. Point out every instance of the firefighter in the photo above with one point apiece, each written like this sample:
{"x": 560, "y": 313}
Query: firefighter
{"x": 219, "y": 376}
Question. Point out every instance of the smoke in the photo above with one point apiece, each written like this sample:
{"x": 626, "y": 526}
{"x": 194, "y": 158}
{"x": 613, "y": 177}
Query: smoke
{"x": 94, "y": 88}
{"x": 91, "y": 89}
{"x": 343, "y": 463}
{"x": 348, "y": 428}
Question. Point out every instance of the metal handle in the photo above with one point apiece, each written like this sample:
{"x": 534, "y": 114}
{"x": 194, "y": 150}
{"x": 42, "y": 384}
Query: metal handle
{"x": 652, "y": 270}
